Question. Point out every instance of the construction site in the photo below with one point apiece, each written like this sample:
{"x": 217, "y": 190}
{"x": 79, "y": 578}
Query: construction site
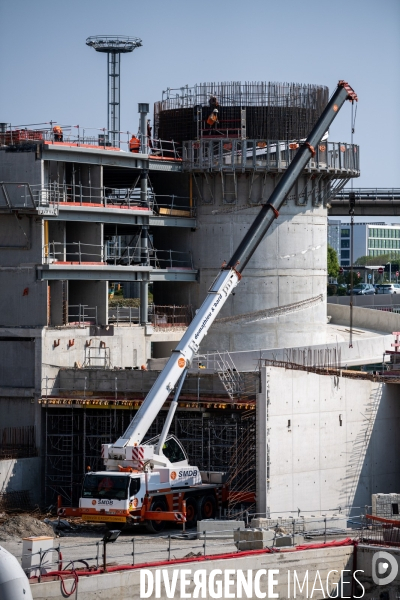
{"x": 289, "y": 402}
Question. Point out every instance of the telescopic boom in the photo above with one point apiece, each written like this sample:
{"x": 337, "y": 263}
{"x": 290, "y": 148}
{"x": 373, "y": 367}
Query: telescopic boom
{"x": 227, "y": 279}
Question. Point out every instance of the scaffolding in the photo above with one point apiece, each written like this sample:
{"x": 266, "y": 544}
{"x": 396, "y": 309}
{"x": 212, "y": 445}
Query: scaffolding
{"x": 214, "y": 441}
{"x": 254, "y": 110}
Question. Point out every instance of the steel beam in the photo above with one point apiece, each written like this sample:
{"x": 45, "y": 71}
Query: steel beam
{"x": 56, "y": 272}
{"x": 117, "y": 216}
{"x": 110, "y": 158}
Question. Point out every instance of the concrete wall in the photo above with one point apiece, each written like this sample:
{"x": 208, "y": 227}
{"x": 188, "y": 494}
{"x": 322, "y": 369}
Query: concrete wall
{"x": 17, "y": 362}
{"x": 365, "y": 562}
{"x": 125, "y": 585}
{"x": 23, "y": 299}
{"x": 21, "y": 167}
{"x": 98, "y": 380}
{"x": 289, "y": 265}
{"x": 365, "y": 318}
{"x": 91, "y": 237}
{"x": 323, "y": 442}
{"x": 124, "y": 347}
{"x": 94, "y": 295}
{"x": 21, "y": 474}
{"x": 384, "y": 300}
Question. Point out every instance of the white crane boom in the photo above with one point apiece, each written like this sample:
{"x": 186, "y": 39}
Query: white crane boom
{"x": 225, "y": 282}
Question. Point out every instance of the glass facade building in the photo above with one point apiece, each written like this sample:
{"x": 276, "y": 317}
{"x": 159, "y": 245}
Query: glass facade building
{"x": 370, "y": 239}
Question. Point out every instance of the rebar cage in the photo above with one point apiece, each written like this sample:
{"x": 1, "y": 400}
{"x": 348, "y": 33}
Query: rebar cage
{"x": 253, "y": 110}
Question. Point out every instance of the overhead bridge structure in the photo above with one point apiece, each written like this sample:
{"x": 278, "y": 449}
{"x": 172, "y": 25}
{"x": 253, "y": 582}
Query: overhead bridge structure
{"x": 369, "y": 202}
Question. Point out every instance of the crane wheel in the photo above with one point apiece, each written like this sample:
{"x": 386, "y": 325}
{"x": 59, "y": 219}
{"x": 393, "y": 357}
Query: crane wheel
{"x": 156, "y": 526}
{"x": 191, "y": 512}
{"x": 206, "y": 507}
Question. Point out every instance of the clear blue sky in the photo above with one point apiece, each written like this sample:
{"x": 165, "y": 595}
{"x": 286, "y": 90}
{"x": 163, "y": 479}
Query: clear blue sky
{"x": 48, "y": 73}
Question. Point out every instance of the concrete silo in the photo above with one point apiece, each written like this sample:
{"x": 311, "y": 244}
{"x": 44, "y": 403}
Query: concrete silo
{"x": 237, "y": 140}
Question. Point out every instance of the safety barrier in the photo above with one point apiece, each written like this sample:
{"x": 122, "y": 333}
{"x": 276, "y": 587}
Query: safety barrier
{"x": 94, "y": 137}
{"x": 172, "y": 547}
{"x": 114, "y": 253}
{"x": 233, "y": 154}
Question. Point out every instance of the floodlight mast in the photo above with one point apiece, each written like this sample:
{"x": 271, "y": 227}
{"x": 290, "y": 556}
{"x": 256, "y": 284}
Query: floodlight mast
{"x": 113, "y": 46}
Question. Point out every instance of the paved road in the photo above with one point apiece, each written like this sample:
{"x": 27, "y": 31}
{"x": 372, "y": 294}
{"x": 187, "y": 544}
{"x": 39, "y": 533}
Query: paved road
{"x": 147, "y": 547}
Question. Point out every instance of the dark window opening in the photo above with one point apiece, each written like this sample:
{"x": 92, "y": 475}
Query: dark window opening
{"x": 395, "y": 509}
{"x": 105, "y": 486}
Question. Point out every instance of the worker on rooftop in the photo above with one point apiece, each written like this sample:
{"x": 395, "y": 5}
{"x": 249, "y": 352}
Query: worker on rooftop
{"x": 149, "y": 133}
{"x": 58, "y": 133}
{"x": 213, "y": 118}
{"x": 213, "y": 102}
{"x": 134, "y": 144}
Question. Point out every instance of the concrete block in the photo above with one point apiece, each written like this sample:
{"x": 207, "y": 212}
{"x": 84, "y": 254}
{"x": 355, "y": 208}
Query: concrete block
{"x": 253, "y": 539}
{"x": 218, "y": 529}
{"x": 283, "y": 525}
{"x": 283, "y": 540}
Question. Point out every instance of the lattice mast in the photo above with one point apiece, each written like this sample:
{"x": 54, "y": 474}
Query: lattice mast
{"x": 113, "y": 46}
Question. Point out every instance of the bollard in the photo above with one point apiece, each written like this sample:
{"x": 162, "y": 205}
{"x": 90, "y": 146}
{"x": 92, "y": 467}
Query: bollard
{"x": 169, "y": 548}
{"x": 325, "y": 530}
{"x": 40, "y": 565}
{"x": 133, "y": 551}
{"x": 97, "y": 556}
{"x": 205, "y": 542}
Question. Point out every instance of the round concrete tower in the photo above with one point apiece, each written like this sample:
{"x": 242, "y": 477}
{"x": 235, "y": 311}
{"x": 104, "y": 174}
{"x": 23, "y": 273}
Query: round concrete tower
{"x": 234, "y": 160}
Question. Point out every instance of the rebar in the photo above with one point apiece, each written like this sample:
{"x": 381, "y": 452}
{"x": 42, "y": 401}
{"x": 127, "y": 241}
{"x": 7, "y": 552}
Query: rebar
{"x": 269, "y": 110}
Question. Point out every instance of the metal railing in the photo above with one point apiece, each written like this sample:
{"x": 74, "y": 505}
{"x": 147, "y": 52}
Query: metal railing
{"x": 174, "y": 546}
{"x": 75, "y": 135}
{"x": 232, "y": 154}
{"x": 24, "y": 195}
{"x": 159, "y": 316}
{"x": 82, "y": 314}
{"x": 113, "y": 253}
{"x": 366, "y": 195}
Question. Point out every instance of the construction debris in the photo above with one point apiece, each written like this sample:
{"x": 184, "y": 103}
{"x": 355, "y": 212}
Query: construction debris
{"x": 20, "y": 526}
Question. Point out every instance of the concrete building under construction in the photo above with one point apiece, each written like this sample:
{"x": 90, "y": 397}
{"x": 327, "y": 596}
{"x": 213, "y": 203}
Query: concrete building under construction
{"x": 76, "y": 218}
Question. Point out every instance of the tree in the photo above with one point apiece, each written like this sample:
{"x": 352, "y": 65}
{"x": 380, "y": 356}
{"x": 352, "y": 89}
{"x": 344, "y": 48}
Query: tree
{"x": 333, "y": 263}
{"x": 346, "y": 278}
{"x": 377, "y": 261}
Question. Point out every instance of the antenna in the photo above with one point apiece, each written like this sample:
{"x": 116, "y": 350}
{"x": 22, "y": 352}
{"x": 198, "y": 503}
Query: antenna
{"x": 114, "y": 46}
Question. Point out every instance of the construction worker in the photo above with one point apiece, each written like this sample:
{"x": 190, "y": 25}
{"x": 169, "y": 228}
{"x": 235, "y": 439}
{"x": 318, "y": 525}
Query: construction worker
{"x": 58, "y": 133}
{"x": 213, "y": 102}
{"x": 134, "y": 144}
{"x": 213, "y": 118}
{"x": 149, "y": 130}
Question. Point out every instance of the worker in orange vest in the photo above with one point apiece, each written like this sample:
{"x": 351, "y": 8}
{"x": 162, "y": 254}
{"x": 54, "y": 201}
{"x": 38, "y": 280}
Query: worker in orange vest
{"x": 58, "y": 133}
{"x": 134, "y": 144}
{"x": 213, "y": 118}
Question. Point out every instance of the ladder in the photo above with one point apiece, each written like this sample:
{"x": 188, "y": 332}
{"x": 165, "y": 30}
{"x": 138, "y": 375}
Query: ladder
{"x": 229, "y": 376}
{"x": 227, "y": 195}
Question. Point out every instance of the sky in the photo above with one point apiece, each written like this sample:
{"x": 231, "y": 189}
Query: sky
{"x": 48, "y": 72}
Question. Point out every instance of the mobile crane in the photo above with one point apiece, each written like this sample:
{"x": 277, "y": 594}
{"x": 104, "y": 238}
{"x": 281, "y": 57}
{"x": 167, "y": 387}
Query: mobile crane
{"x": 152, "y": 482}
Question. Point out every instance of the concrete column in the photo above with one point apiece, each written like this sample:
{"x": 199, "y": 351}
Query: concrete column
{"x": 262, "y": 459}
{"x": 143, "y": 109}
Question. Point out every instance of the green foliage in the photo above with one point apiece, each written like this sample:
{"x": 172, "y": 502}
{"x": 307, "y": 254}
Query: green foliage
{"x": 346, "y": 278}
{"x": 376, "y": 261}
{"x": 331, "y": 289}
{"x": 333, "y": 263}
